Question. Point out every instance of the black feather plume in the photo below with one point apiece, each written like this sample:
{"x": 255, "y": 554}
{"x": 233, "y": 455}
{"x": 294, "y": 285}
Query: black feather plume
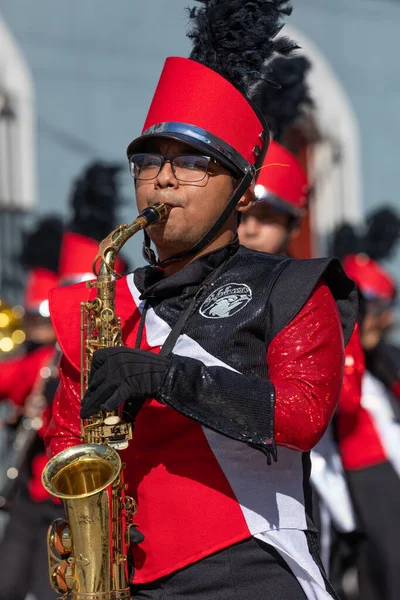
{"x": 378, "y": 239}
{"x": 236, "y": 37}
{"x": 283, "y": 104}
{"x": 382, "y": 234}
{"x": 345, "y": 240}
{"x": 95, "y": 199}
{"x": 41, "y": 246}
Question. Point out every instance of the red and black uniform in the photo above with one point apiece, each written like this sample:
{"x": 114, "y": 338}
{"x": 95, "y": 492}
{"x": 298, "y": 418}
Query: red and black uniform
{"x": 247, "y": 373}
{"x": 31, "y": 380}
{"x": 369, "y": 440}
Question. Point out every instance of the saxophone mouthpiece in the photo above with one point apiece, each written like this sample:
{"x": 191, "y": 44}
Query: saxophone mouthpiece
{"x": 157, "y": 213}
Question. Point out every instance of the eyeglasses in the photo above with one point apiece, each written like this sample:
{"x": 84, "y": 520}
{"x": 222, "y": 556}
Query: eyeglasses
{"x": 186, "y": 167}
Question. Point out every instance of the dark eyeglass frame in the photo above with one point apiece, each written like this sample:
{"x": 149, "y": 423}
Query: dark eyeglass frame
{"x": 171, "y": 159}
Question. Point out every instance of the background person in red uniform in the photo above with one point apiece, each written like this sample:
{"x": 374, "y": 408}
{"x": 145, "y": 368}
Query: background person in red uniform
{"x": 373, "y": 464}
{"x": 94, "y": 202}
{"x": 281, "y": 188}
{"x": 55, "y": 257}
{"x": 268, "y": 226}
{"x": 367, "y": 423}
{"x": 224, "y": 512}
{"x": 29, "y": 382}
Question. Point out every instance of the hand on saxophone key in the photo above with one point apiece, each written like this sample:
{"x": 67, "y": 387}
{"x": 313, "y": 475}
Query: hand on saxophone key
{"x": 119, "y": 374}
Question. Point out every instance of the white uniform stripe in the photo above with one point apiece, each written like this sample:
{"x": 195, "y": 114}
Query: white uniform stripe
{"x": 327, "y": 477}
{"x": 375, "y": 400}
{"x": 292, "y": 546}
{"x": 157, "y": 331}
{"x": 270, "y": 496}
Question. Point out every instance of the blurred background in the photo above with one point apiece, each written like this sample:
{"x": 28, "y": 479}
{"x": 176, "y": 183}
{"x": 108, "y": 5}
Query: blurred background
{"x": 76, "y": 80}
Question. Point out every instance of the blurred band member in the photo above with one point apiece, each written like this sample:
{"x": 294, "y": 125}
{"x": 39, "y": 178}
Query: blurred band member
{"x": 30, "y": 382}
{"x": 273, "y": 221}
{"x": 281, "y": 189}
{"x": 94, "y": 201}
{"x": 370, "y": 441}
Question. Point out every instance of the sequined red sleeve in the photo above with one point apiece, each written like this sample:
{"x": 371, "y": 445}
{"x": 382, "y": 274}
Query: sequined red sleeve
{"x": 305, "y": 363}
{"x": 64, "y": 428}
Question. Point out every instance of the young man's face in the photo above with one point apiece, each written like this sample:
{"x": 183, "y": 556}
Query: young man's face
{"x": 195, "y": 206}
{"x": 265, "y": 229}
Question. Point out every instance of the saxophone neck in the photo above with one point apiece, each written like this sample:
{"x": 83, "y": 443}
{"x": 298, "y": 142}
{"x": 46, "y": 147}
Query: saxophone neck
{"x": 112, "y": 244}
{"x": 104, "y": 262}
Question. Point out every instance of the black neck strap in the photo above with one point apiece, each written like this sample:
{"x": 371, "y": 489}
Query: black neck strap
{"x": 211, "y": 233}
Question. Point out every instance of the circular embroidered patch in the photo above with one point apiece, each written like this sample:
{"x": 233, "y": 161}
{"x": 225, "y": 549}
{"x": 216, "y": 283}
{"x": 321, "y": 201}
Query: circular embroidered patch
{"x": 226, "y": 301}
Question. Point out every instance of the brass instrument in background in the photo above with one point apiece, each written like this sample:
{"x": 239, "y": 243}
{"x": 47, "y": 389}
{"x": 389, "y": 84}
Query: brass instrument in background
{"x": 88, "y": 551}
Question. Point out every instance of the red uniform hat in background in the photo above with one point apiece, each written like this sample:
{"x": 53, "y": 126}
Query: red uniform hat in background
{"x": 94, "y": 200}
{"x": 76, "y": 260}
{"x": 362, "y": 247}
{"x": 38, "y": 285}
{"x": 281, "y": 181}
{"x": 374, "y": 282}
{"x": 40, "y": 254}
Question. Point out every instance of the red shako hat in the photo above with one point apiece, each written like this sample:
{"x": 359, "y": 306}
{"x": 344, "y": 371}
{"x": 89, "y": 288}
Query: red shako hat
{"x": 76, "y": 259}
{"x": 204, "y": 101}
{"x": 281, "y": 181}
{"x": 40, "y": 254}
{"x": 38, "y": 285}
{"x": 94, "y": 199}
{"x": 196, "y": 105}
{"x": 374, "y": 282}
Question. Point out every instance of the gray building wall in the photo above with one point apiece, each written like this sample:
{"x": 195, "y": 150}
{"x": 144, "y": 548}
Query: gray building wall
{"x": 95, "y": 64}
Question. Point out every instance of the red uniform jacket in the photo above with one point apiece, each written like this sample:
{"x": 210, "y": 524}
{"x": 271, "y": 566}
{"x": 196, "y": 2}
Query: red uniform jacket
{"x": 192, "y": 501}
{"x": 359, "y": 442}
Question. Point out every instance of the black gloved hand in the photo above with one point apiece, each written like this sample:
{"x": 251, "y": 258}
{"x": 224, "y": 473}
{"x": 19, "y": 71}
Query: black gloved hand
{"x": 120, "y": 374}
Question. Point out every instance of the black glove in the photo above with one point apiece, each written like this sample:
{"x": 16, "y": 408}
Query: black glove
{"x": 120, "y": 374}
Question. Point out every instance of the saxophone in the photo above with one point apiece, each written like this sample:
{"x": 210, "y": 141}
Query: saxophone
{"x": 88, "y": 551}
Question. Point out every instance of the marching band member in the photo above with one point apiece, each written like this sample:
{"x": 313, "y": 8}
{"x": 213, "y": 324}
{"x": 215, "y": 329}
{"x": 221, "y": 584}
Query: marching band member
{"x": 233, "y": 359}
{"x": 30, "y": 382}
{"x": 281, "y": 189}
{"x": 268, "y": 226}
{"x": 94, "y": 201}
{"x": 366, "y": 426}
{"x": 369, "y": 437}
